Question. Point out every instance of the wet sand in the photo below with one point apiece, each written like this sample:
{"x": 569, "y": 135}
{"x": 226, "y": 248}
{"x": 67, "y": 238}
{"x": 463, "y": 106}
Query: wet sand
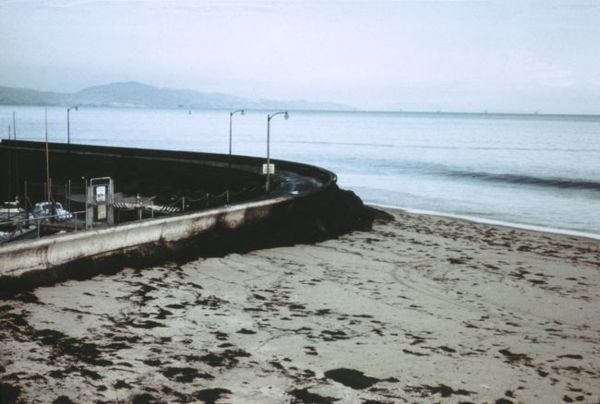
{"x": 420, "y": 309}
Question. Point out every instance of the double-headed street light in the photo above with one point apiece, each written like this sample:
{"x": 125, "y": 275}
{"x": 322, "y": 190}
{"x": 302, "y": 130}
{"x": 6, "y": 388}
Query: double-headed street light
{"x": 268, "y": 169}
{"x": 76, "y": 108}
{"x": 231, "y": 114}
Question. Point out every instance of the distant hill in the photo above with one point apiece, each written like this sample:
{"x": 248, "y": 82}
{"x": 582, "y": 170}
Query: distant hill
{"x": 23, "y": 96}
{"x": 134, "y": 94}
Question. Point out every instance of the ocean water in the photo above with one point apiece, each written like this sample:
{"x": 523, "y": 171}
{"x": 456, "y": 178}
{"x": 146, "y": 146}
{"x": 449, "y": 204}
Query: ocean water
{"x": 526, "y": 170}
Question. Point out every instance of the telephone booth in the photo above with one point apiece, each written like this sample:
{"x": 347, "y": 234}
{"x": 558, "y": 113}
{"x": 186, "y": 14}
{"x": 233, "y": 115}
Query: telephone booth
{"x": 100, "y": 201}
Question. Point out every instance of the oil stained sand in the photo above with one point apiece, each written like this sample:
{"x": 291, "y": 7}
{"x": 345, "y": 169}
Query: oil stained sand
{"x": 421, "y": 309}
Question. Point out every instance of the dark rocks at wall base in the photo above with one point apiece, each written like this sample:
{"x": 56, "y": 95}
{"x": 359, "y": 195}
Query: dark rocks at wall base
{"x": 325, "y": 215}
{"x": 321, "y": 216}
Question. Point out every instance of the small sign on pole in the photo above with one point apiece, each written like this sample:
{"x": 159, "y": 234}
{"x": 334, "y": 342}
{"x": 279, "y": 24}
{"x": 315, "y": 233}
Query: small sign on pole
{"x": 268, "y": 168}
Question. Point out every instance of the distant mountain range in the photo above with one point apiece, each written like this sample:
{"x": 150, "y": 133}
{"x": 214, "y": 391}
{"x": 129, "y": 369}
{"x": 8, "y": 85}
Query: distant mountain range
{"x": 134, "y": 94}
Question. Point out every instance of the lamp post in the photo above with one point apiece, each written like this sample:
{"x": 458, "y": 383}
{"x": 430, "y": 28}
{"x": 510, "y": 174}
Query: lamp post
{"x": 269, "y": 117}
{"x": 231, "y": 114}
{"x": 76, "y": 108}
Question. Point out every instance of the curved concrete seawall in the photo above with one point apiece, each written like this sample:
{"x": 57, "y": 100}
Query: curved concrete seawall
{"x": 305, "y": 205}
{"x": 22, "y": 257}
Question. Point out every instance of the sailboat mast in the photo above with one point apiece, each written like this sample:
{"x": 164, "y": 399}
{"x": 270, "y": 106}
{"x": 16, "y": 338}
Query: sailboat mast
{"x": 14, "y": 128}
{"x": 9, "y": 178}
{"x": 47, "y": 161}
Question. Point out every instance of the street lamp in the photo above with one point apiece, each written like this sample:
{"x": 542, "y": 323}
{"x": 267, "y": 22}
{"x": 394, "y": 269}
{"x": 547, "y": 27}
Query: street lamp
{"x": 76, "y": 108}
{"x": 231, "y": 114}
{"x": 269, "y": 117}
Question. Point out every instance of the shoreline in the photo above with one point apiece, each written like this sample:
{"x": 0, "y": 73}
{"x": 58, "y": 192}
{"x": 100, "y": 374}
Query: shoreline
{"x": 491, "y": 222}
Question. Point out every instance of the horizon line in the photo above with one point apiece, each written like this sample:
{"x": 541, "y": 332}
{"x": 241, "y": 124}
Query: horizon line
{"x": 594, "y": 116}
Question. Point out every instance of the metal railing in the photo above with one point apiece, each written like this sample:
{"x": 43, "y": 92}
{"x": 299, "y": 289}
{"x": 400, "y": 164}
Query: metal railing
{"x": 31, "y": 224}
{"x": 212, "y": 200}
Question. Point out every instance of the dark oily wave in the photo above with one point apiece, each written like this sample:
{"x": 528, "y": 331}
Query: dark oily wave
{"x": 550, "y": 182}
{"x": 426, "y": 168}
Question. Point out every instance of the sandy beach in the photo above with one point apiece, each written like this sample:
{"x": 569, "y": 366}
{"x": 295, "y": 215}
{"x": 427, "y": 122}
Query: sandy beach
{"x": 420, "y": 309}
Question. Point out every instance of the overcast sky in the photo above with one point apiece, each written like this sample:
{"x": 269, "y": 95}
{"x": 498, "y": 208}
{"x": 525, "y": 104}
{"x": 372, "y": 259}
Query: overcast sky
{"x": 521, "y": 56}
